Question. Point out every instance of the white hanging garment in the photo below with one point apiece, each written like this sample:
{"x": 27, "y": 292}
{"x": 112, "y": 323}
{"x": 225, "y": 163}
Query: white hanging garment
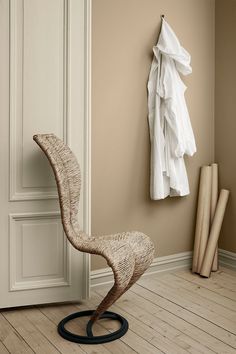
{"x": 171, "y": 133}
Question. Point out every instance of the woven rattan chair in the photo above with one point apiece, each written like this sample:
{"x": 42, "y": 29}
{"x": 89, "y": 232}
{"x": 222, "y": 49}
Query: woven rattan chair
{"x": 129, "y": 254}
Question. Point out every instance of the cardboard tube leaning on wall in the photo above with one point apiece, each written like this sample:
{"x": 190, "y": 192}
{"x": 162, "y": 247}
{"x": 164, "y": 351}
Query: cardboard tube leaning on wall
{"x": 200, "y": 208}
{"x": 214, "y": 234}
{"x": 205, "y": 220}
{"x": 214, "y": 198}
{"x": 199, "y": 218}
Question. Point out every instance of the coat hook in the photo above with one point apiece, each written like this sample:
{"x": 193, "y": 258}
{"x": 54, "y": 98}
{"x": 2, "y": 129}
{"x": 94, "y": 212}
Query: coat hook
{"x": 162, "y": 16}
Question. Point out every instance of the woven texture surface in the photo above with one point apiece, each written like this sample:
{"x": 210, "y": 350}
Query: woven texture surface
{"x": 129, "y": 254}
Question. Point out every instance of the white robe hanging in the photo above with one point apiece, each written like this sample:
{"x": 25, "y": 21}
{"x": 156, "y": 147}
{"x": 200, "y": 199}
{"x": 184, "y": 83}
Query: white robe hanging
{"x": 171, "y": 133}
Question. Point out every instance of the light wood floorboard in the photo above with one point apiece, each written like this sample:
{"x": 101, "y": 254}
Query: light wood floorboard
{"x": 174, "y": 313}
{"x": 3, "y": 349}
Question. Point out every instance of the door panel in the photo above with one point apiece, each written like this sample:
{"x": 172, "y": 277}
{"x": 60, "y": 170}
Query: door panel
{"x": 43, "y": 92}
{"x": 39, "y": 83}
{"x": 39, "y": 252}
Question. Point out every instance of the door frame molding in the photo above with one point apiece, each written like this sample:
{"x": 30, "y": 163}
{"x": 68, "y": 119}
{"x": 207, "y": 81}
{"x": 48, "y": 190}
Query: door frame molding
{"x": 87, "y": 134}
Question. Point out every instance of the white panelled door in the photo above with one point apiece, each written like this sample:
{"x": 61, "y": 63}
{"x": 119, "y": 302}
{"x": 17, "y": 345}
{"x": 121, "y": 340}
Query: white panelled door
{"x": 42, "y": 91}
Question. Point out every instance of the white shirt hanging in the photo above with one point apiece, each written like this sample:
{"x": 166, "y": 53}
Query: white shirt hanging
{"x": 169, "y": 123}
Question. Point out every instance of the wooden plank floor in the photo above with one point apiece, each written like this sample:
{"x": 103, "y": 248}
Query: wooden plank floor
{"x": 175, "y": 312}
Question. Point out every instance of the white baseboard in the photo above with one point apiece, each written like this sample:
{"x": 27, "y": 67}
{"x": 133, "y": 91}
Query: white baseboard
{"x": 160, "y": 264}
{"x": 163, "y": 264}
{"x": 227, "y": 259}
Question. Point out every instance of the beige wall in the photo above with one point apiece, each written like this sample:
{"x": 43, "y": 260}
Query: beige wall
{"x": 123, "y": 34}
{"x": 225, "y": 113}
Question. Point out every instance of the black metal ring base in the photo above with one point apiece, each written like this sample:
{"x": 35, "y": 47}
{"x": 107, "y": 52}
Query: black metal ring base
{"x": 90, "y": 338}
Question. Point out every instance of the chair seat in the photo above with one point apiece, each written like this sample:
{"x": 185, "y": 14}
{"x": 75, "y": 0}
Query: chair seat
{"x": 129, "y": 254}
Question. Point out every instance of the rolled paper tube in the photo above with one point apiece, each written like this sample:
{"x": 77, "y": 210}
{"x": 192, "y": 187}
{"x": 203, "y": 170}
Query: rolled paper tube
{"x": 199, "y": 218}
{"x": 201, "y": 196}
{"x": 215, "y": 260}
{"x": 214, "y": 189}
{"x": 205, "y": 220}
{"x": 214, "y": 234}
{"x": 214, "y": 198}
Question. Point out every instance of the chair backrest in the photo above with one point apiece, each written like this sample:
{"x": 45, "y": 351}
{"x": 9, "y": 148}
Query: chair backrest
{"x": 67, "y": 174}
